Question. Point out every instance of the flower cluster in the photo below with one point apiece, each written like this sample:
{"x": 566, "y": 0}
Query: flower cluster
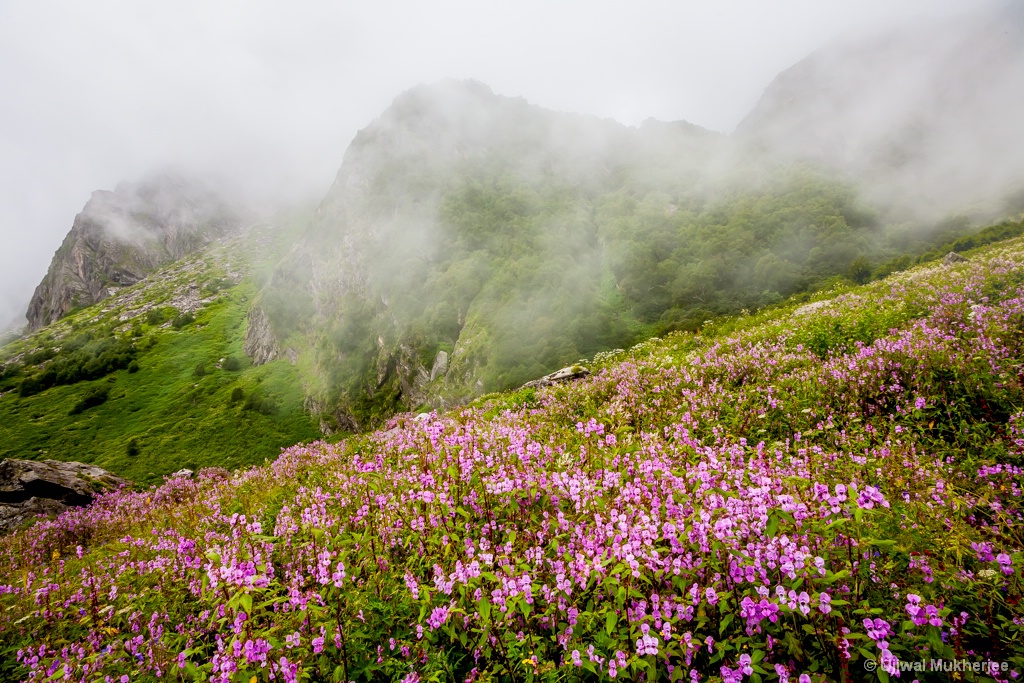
{"x": 764, "y": 504}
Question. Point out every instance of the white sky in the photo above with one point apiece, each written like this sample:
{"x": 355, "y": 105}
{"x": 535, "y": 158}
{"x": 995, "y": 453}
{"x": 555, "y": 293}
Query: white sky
{"x": 270, "y": 93}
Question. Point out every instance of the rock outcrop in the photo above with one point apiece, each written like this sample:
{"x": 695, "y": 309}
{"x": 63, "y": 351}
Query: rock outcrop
{"x": 31, "y": 488}
{"x": 953, "y": 258}
{"x": 440, "y": 366}
{"x": 122, "y": 236}
{"x": 260, "y": 343}
{"x": 564, "y": 375}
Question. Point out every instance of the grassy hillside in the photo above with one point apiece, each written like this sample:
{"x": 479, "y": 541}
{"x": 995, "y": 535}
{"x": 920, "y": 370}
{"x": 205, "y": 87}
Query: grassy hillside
{"x": 517, "y": 240}
{"x": 824, "y": 491}
{"x": 154, "y": 379}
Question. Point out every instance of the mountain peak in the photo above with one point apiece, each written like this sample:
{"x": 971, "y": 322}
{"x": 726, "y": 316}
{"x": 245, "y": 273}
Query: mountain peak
{"x": 120, "y": 236}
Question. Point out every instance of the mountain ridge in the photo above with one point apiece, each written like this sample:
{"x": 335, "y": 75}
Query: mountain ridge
{"x": 120, "y": 236}
{"x": 922, "y": 116}
{"x": 472, "y": 242}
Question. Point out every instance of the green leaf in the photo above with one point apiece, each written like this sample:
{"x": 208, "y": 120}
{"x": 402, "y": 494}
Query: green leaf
{"x": 484, "y": 608}
{"x": 246, "y": 602}
{"x": 773, "y": 525}
{"x": 610, "y": 619}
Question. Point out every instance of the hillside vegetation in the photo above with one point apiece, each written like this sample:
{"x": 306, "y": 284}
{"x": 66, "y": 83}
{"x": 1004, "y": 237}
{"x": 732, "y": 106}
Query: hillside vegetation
{"x": 473, "y": 242}
{"x": 823, "y": 492}
{"x": 154, "y": 379}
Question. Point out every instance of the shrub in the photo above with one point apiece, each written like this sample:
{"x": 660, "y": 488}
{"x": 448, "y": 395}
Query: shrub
{"x": 133, "y": 367}
{"x": 38, "y": 356}
{"x": 183, "y": 319}
{"x": 87, "y": 360}
{"x": 94, "y": 397}
{"x": 200, "y": 370}
{"x": 133, "y": 448}
{"x": 860, "y": 270}
{"x": 155, "y": 316}
{"x": 260, "y": 404}
{"x": 231, "y": 364}
{"x": 237, "y": 394}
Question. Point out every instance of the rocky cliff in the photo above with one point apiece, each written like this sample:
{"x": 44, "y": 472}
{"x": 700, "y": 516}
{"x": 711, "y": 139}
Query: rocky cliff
{"x": 459, "y": 222}
{"x": 260, "y": 344}
{"x": 122, "y": 236}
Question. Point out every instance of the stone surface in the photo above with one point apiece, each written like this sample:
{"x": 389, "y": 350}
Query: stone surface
{"x": 564, "y": 375}
{"x": 31, "y": 488}
{"x": 953, "y": 257}
{"x": 260, "y": 343}
{"x": 122, "y": 236}
{"x": 440, "y": 367}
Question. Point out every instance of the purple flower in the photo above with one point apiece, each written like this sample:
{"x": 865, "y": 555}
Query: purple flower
{"x": 825, "y": 603}
{"x": 438, "y": 616}
{"x": 983, "y": 551}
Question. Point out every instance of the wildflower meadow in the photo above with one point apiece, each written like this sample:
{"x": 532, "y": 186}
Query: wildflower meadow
{"x": 826, "y": 493}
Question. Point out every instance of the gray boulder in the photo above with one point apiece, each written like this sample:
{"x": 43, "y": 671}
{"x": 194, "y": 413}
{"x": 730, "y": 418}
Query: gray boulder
{"x": 440, "y": 367}
{"x": 564, "y": 375}
{"x": 953, "y": 257}
{"x": 31, "y": 488}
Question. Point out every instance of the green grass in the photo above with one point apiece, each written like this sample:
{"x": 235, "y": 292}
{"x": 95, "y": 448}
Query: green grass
{"x": 175, "y": 418}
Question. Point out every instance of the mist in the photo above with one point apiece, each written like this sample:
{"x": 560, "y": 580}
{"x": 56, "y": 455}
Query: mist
{"x": 924, "y": 116}
{"x": 265, "y": 98}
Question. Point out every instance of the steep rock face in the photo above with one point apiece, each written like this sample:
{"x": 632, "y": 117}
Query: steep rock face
{"x": 29, "y": 488}
{"x": 260, "y": 344}
{"x": 388, "y": 276}
{"x": 926, "y": 117}
{"x": 122, "y": 236}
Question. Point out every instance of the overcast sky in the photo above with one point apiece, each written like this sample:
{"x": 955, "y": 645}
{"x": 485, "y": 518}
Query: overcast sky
{"x": 270, "y": 93}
